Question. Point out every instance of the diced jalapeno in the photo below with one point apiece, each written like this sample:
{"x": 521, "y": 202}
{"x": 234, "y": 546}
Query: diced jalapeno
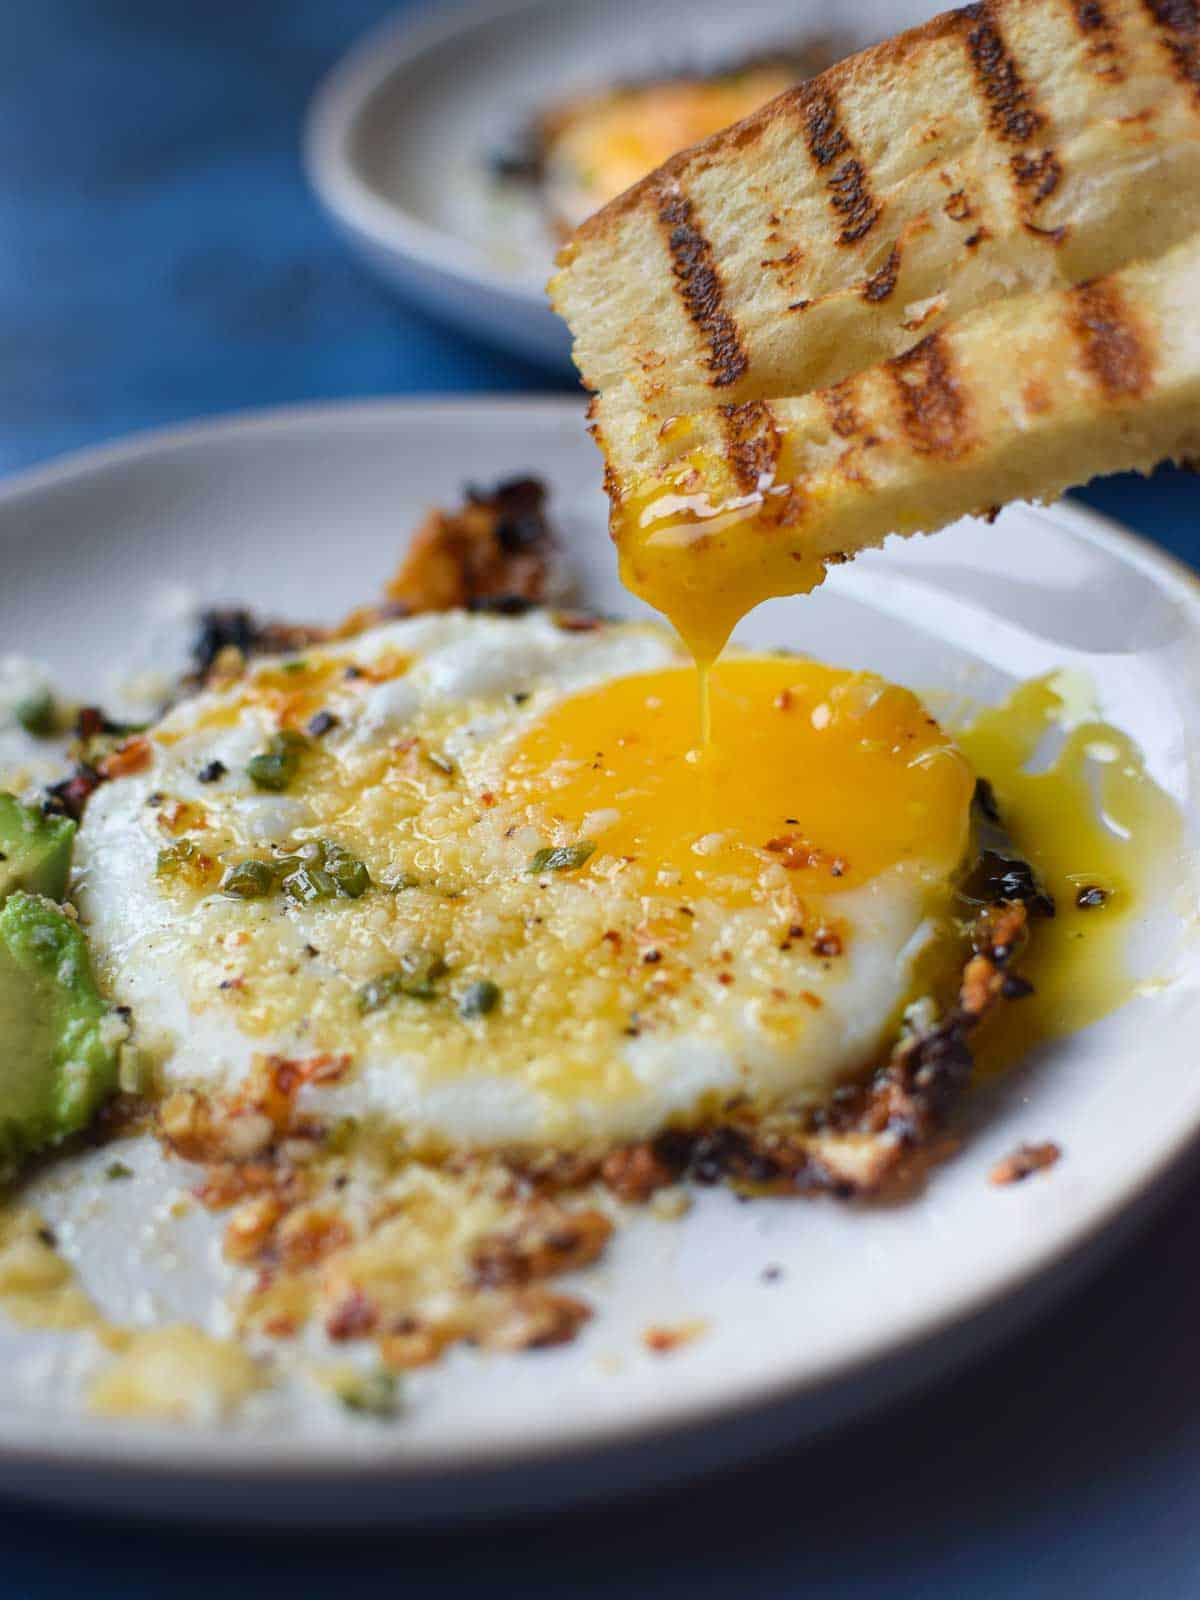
{"x": 562, "y": 857}
{"x": 373, "y": 996}
{"x": 308, "y": 885}
{"x": 248, "y": 880}
{"x": 37, "y": 714}
{"x": 415, "y": 977}
{"x": 479, "y": 998}
{"x": 347, "y": 871}
{"x": 173, "y": 857}
{"x": 371, "y": 1394}
{"x": 275, "y": 767}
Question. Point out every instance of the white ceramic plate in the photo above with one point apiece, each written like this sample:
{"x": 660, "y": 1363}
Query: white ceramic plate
{"x": 401, "y": 134}
{"x": 304, "y": 512}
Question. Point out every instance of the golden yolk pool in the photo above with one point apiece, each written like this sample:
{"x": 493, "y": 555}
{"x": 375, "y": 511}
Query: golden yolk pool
{"x": 836, "y": 776}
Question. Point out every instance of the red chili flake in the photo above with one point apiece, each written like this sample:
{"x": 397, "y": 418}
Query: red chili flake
{"x": 794, "y": 851}
{"x": 1025, "y": 1160}
{"x": 132, "y": 756}
{"x": 354, "y": 1318}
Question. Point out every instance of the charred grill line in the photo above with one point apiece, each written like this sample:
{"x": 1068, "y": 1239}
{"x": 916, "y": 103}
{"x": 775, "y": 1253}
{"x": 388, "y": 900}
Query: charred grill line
{"x": 1040, "y": 175}
{"x": 839, "y": 404}
{"x": 847, "y": 185}
{"x": 932, "y": 410}
{"x": 699, "y": 285}
{"x": 1114, "y": 351}
{"x": 1100, "y": 35}
{"x": 1178, "y": 22}
{"x": 1011, "y": 109}
{"x": 1012, "y": 112}
{"x": 880, "y": 284}
{"x": 751, "y": 443}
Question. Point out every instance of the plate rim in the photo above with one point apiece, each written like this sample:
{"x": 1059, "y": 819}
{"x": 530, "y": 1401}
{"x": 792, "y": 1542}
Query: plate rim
{"x": 127, "y": 1449}
{"x": 333, "y": 113}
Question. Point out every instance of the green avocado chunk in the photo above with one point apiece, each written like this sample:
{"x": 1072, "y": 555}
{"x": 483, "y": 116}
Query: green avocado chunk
{"x": 60, "y": 1042}
{"x": 35, "y": 851}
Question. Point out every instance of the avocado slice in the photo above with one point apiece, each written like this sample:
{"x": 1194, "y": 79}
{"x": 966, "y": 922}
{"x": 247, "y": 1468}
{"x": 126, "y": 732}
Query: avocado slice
{"x": 60, "y": 1042}
{"x": 35, "y": 851}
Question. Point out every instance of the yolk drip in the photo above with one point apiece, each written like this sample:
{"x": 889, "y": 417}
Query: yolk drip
{"x": 833, "y": 775}
{"x": 704, "y": 552}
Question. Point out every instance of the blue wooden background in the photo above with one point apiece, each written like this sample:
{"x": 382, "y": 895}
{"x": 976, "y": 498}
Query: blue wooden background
{"x": 161, "y": 259}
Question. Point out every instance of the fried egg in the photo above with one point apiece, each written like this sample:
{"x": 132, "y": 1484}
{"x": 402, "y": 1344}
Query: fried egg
{"x": 599, "y": 145}
{"x": 481, "y": 866}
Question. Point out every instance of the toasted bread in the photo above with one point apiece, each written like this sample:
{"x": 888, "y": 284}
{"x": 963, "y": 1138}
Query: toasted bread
{"x": 1016, "y": 400}
{"x": 1015, "y": 145}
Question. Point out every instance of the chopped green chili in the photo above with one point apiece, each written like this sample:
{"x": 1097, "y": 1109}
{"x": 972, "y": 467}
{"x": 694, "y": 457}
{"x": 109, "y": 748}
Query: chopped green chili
{"x": 317, "y": 870}
{"x": 479, "y": 998}
{"x": 38, "y": 714}
{"x": 415, "y": 977}
{"x": 248, "y": 880}
{"x": 307, "y": 885}
{"x": 174, "y": 856}
{"x": 275, "y": 767}
{"x": 371, "y": 1394}
{"x": 562, "y": 857}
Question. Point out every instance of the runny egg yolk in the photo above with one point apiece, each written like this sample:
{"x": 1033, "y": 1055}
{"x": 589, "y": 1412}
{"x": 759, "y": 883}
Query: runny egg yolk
{"x": 833, "y": 776}
{"x": 704, "y": 565}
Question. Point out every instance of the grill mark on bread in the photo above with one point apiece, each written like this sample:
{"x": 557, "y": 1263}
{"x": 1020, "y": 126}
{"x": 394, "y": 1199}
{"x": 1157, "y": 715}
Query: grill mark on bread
{"x": 839, "y": 405}
{"x": 1178, "y": 24}
{"x": 1100, "y": 37}
{"x": 699, "y": 284}
{"x": 751, "y": 443}
{"x": 1115, "y": 351}
{"x": 1012, "y": 112}
{"x": 933, "y": 412}
{"x": 790, "y": 105}
{"x": 958, "y": 206}
{"x": 1040, "y": 175}
{"x": 881, "y": 283}
{"x": 1010, "y": 106}
{"x": 846, "y": 182}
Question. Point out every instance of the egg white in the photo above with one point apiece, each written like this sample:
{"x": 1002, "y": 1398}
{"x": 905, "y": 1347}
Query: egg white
{"x": 488, "y": 679}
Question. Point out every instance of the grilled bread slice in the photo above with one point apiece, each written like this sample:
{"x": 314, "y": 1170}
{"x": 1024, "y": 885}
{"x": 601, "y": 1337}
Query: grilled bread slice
{"x": 1019, "y": 399}
{"x": 1012, "y": 146}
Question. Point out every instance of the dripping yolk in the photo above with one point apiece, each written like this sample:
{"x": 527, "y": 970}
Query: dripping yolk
{"x": 704, "y": 551}
{"x": 833, "y": 776}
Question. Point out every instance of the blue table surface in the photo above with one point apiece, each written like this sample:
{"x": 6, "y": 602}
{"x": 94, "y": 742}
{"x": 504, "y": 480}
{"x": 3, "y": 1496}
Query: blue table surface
{"x": 162, "y": 260}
